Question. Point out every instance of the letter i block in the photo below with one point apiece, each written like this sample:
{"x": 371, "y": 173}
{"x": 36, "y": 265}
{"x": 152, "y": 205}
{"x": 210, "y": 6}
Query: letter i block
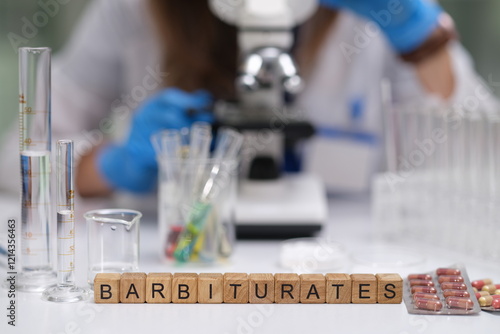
{"x": 210, "y": 288}
{"x": 159, "y": 288}
{"x": 235, "y": 288}
{"x": 286, "y": 288}
{"x": 312, "y": 289}
{"x": 185, "y": 288}
{"x": 338, "y": 289}
{"x": 364, "y": 288}
{"x": 390, "y": 288}
{"x": 107, "y": 288}
{"x": 133, "y": 288}
{"x": 261, "y": 289}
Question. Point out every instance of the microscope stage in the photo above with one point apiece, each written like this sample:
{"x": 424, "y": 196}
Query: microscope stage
{"x": 293, "y": 206}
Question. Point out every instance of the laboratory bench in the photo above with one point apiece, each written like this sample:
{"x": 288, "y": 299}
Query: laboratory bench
{"x": 349, "y": 224}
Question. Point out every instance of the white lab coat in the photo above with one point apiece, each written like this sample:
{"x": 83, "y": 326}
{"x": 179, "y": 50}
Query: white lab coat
{"x": 110, "y": 66}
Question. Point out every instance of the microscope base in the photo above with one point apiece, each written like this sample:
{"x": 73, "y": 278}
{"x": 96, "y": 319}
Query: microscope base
{"x": 293, "y": 206}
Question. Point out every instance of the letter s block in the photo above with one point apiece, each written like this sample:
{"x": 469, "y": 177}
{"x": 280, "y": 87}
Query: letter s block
{"x": 390, "y": 289}
{"x": 185, "y": 288}
{"x": 107, "y": 288}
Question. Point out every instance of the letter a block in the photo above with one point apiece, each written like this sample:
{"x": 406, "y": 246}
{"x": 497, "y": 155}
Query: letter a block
{"x": 235, "y": 288}
{"x": 312, "y": 289}
{"x": 390, "y": 289}
{"x": 338, "y": 289}
{"x": 261, "y": 288}
{"x": 159, "y": 288}
{"x": 133, "y": 288}
{"x": 185, "y": 288}
{"x": 364, "y": 288}
{"x": 107, "y": 288}
{"x": 286, "y": 288}
{"x": 210, "y": 288}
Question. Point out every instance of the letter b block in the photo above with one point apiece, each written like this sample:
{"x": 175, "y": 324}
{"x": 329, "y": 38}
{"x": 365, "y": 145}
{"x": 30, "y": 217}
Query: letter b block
{"x": 286, "y": 288}
{"x": 235, "y": 288}
{"x": 261, "y": 289}
{"x": 364, "y": 288}
{"x": 185, "y": 288}
{"x": 390, "y": 289}
{"x": 107, "y": 288}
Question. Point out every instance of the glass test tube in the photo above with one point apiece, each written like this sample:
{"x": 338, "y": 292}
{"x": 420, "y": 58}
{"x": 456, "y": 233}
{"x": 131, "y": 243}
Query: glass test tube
{"x": 35, "y": 146}
{"x": 65, "y": 290}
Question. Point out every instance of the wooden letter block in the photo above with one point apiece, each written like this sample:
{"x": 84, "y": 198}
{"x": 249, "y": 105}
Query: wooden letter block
{"x": 389, "y": 288}
{"x": 261, "y": 288}
{"x": 159, "y": 288}
{"x": 133, "y": 288}
{"x": 107, "y": 288}
{"x": 338, "y": 289}
{"x": 235, "y": 288}
{"x": 210, "y": 288}
{"x": 364, "y": 288}
{"x": 312, "y": 289}
{"x": 286, "y": 288}
{"x": 185, "y": 288}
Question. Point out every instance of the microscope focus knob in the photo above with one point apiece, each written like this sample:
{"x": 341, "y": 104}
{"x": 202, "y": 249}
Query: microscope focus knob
{"x": 293, "y": 84}
{"x": 247, "y": 83}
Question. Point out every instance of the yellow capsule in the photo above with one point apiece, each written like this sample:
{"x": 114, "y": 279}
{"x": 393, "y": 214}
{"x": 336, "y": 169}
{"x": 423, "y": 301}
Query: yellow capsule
{"x": 491, "y": 288}
{"x": 485, "y": 301}
{"x": 497, "y": 292}
{"x": 474, "y": 289}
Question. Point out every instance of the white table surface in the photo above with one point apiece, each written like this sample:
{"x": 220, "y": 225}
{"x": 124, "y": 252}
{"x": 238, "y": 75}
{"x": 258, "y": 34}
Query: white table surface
{"x": 349, "y": 223}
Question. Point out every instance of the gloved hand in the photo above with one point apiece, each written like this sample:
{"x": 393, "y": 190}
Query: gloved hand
{"x": 406, "y": 23}
{"x": 132, "y": 165}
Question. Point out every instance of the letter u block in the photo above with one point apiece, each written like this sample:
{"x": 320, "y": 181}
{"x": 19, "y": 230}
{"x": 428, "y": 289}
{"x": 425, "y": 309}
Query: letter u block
{"x": 261, "y": 289}
{"x": 185, "y": 288}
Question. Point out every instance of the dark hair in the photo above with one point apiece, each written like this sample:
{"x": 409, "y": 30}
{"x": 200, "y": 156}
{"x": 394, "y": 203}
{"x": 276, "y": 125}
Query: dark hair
{"x": 201, "y": 51}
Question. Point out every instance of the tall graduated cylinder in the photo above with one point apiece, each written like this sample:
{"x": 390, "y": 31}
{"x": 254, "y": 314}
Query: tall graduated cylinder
{"x": 35, "y": 148}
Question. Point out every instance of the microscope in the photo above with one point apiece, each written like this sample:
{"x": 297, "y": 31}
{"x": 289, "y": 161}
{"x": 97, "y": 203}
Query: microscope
{"x": 271, "y": 203}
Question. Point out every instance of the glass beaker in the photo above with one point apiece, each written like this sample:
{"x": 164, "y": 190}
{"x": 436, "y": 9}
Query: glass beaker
{"x": 113, "y": 241}
{"x": 203, "y": 225}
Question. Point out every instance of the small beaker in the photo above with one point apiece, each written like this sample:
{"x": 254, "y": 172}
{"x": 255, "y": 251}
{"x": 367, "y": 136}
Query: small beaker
{"x": 113, "y": 241}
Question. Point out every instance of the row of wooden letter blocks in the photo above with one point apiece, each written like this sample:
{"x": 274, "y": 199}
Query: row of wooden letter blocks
{"x": 242, "y": 288}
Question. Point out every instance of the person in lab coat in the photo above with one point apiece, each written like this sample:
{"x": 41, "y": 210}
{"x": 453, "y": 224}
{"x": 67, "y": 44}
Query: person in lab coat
{"x": 134, "y": 67}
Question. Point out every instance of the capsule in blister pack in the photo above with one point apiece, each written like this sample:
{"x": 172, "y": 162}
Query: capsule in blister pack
{"x": 447, "y": 291}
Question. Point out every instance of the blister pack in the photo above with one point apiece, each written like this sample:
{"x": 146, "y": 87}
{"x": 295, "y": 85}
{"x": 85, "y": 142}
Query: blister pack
{"x": 446, "y": 291}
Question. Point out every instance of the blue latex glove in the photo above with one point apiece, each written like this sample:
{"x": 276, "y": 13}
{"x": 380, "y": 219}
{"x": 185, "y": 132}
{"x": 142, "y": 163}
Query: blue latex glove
{"x": 132, "y": 165}
{"x": 406, "y": 23}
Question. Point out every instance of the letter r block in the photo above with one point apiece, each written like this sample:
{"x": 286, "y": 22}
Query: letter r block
{"x": 107, "y": 288}
{"x": 286, "y": 288}
{"x": 185, "y": 288}
{"x": 235, "y": 288}
{"x": 389, "y": 288}
{"x": 159, "y": 288}
{"x": 261, "y": 289}
{"x": 364, "y": 288}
